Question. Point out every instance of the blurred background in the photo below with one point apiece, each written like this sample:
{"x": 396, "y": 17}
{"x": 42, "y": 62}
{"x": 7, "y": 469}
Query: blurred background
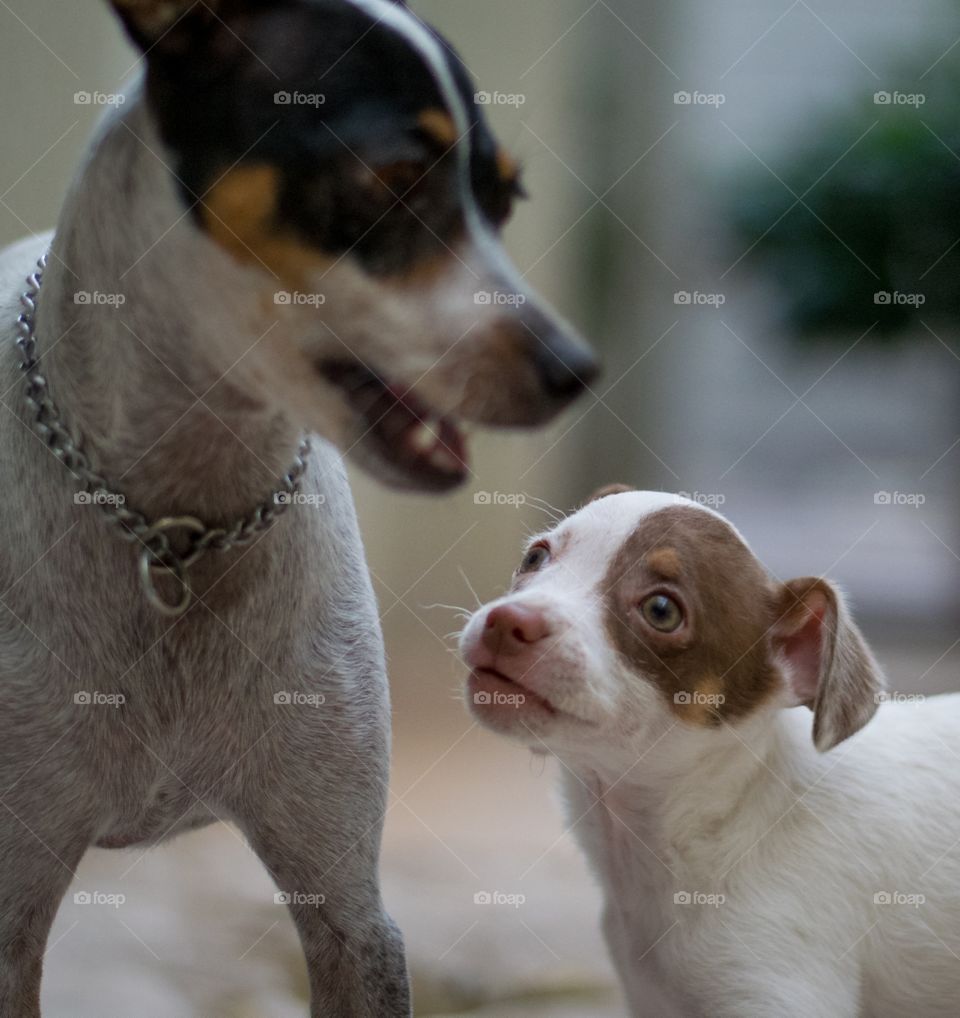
{"x": 752, "y": 210}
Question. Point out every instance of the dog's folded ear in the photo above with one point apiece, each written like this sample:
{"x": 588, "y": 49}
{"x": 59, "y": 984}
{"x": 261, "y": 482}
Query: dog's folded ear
{"x": 827, "y": 663}
{"x": 608, "y": 489}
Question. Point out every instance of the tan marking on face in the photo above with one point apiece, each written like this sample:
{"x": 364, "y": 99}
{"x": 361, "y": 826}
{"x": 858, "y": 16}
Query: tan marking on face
{"x": 493, "y": 373}
{"x": 507, "y": 167}
{"x": 423, "y": 275}
{"x": 664, "y": 561}
{"x": 439, "y": 125}
{"x": 240, "y": 215}
{"x": 708, "y": 698}
{"x": 723, "y": 648}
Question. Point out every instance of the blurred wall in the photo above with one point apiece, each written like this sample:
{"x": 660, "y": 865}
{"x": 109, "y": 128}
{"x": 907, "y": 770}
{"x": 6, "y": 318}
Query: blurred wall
{"x": 799, "y": 443}
{"x": 52, "y": 56}
{"x": 626, "y": 212}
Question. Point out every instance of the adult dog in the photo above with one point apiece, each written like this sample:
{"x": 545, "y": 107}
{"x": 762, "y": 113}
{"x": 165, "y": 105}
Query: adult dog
{"x": 283, "y": 230}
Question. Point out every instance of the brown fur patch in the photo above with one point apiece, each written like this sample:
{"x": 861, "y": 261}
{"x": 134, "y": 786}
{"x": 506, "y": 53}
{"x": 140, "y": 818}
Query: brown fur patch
{"x": 424, "y": 274}
{"x": 718, "y": 665}
{"x": 439, "y": 125}
{"x": 240, "y": 215}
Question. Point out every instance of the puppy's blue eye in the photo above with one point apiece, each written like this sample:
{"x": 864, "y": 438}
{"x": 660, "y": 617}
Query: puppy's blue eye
{"x": 663, "y": 613}
{"x": 536, "y": 557}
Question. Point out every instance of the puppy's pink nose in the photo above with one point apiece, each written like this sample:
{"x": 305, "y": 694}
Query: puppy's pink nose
{"x": 511, "y": 628}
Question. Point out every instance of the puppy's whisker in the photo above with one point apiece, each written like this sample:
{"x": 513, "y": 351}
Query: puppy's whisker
{"x": 466, "y": 580}
{"x": 464, "y": 612}
{"x": 545, "y": 507}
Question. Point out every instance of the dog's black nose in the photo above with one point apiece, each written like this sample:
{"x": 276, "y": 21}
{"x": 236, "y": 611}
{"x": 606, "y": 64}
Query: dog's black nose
{"x": 566, "y": 366}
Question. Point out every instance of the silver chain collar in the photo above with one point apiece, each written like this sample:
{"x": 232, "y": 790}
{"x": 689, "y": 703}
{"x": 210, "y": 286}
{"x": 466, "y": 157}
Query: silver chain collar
{"x": 158, "y": 557}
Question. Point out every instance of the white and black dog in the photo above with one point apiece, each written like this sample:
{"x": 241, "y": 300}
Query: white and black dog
{"x": 281, "y": 231}
{"x": 757, "y": 859}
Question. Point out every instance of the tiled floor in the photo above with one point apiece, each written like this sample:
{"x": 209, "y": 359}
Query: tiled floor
{"x": 199, "y": 936}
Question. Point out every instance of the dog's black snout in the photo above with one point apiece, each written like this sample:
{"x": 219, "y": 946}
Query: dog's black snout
{"x": 565, "y": 364}
{"x": 566, "y": 373}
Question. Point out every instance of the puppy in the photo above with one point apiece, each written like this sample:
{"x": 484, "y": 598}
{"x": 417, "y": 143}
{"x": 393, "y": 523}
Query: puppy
{"x": 763, "y": 851}
{"x": 281, "y": 232}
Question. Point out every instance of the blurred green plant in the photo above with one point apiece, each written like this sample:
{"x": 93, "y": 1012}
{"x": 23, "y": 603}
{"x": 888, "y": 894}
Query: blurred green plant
{"x": 876, "y": 236}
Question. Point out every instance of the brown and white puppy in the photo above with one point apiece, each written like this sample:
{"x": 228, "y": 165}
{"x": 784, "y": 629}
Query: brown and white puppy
{"x": 747, "y": 871}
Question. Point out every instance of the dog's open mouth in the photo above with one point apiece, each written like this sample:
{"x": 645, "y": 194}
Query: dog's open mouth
{"x": 427, "y": 448}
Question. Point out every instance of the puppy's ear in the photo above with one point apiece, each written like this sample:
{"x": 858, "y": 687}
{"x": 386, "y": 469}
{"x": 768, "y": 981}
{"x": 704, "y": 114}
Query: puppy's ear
{"x": 608, "y": 489}
{"x": 828, "y": 665}
{"x": 149, "y": 22}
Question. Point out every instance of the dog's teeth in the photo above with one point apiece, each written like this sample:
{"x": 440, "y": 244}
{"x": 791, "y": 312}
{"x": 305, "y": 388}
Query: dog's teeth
{"x": 421, "y": 439}
{"x": 443, "y": 459}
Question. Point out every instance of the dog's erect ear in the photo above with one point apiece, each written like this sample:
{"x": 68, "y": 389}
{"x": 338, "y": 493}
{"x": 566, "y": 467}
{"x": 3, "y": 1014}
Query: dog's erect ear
{"x": 828, "y": 665}
{"x": 149, "y": 21}
{"x": 608, "y": 489}
{"x": 171, "y": 22}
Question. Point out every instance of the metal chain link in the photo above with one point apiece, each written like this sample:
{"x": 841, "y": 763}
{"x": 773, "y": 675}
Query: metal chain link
{"x": 158, "y": 555}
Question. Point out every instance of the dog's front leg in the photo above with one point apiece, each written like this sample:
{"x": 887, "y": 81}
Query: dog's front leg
{"x": 318, "y": 833}
{"x": 37, "y": 861}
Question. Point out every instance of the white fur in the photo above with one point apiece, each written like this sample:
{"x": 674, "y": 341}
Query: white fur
{"x": 784, "y": 853}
